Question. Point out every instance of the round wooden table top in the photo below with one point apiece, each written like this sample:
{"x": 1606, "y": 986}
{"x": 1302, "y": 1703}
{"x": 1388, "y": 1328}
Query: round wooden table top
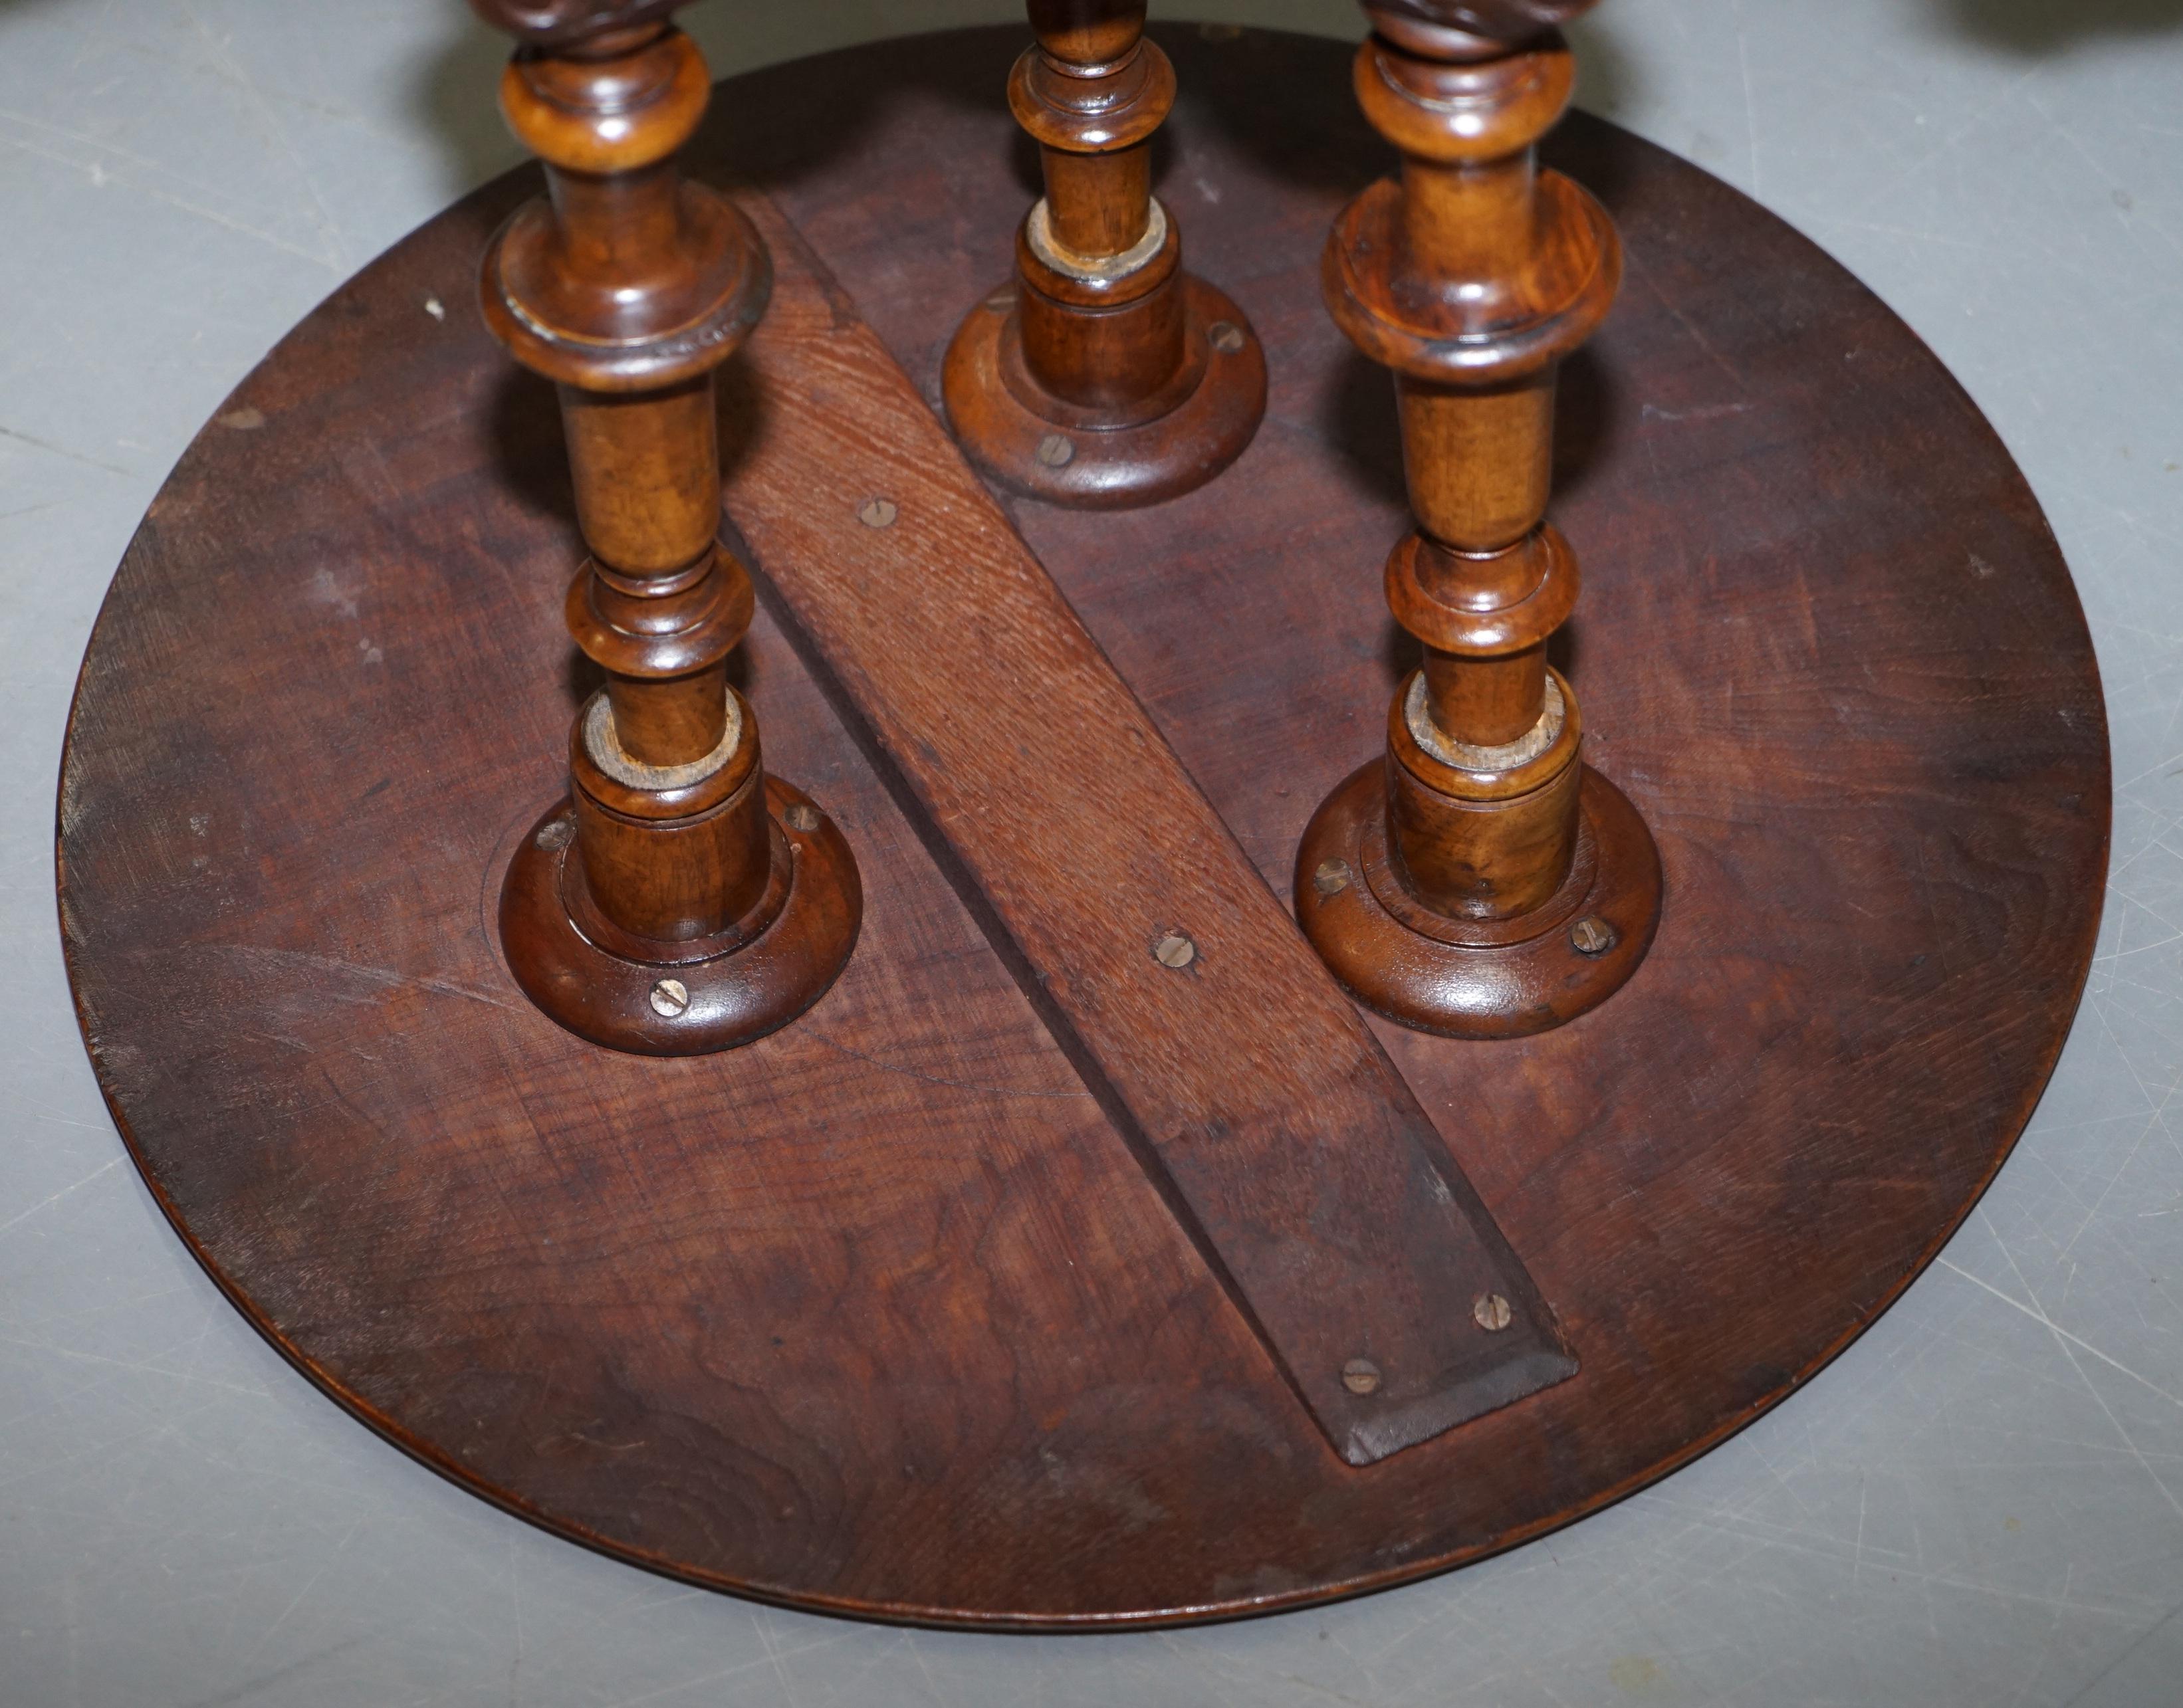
{"x": 880, "y": 1316}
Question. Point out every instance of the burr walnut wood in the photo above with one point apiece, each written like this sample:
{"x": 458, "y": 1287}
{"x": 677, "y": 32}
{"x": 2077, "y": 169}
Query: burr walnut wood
{"x": 1106, "y": 377}
{"x": 629, "y": 287}
{"x": 882, "y": 1316}
{"x": 1475, "y": 278}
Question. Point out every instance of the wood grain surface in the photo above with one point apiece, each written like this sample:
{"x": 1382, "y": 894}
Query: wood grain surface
{"x": 1162, "y": 963}
{"x": 882, "y": 1315}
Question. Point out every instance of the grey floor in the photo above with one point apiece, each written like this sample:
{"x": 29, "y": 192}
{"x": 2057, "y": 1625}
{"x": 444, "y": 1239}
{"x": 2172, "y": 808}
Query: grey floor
{"x": 1980, "y": 1503}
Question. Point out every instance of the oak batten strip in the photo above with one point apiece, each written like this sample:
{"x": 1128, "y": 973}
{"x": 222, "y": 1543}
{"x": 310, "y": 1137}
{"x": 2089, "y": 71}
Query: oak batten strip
{"x": 1306, "y": 1169}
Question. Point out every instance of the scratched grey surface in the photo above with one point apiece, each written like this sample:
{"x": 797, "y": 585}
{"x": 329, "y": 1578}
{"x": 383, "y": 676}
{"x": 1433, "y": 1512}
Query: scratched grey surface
{"x": 1980, "y": 1503}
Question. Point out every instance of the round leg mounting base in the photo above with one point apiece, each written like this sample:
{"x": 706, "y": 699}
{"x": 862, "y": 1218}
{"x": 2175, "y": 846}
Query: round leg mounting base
{"x": 1460, "y": 978}
{"x": 1063, "y": 454}
{"x": 685, "y": 1003}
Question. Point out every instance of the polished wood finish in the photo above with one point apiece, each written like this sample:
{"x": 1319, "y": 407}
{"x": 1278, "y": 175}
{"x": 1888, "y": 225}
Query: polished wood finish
{"x": 1312, "y": 1182}
{"x": 1475, "y": 278}
{"x": 883, "y": 1315}
{"x": 668, "y": 910}
{"x": 1106, "y": 377}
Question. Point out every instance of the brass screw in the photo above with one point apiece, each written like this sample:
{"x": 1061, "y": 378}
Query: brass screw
{"x": 1227, "y": 337}
{"x": 1175, "y": 951}
{"x": 878, "y": 513}
{"x": 670, "y": 997}
{"x": 1361, "y": 1375}
{"x": 1332, "y": 877}
{"x": 1056, "y": 452}
{"x": 1592, "y": 935}
{"x": 1491, "y": 1312}
{"x": 557, "y": 834}
{"x": 801, "y": 816}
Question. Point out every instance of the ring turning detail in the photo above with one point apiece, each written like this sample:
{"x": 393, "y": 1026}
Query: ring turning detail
{"x": 628, "y": 287}
{"x": 1482, "y": 834}
{"x": 1103, "y": 376}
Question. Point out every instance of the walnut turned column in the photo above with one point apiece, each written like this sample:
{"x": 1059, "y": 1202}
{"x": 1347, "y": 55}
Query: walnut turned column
{"x": 679, "y": 900}
{"x": 1479, "y": 881}
{"x": 1104, "y": 376}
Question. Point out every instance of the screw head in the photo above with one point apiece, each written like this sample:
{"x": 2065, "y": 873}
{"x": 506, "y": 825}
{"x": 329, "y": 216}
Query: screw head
{"x": 878, "y": 513}
{"x": 557, "y": 834}
{"x": 1227, "y": 337}
{"x": 1175, "y": 951}
{"x": 801, "y": 815}
{"x": 1491, "y": 1312}
{"x": 1332, "y": 877}
{"x": 670, "y": 997}
{"x": 1361, "y": 1375}
{"x": 1592, "y": 935}
{"x": 1056, "y": 452}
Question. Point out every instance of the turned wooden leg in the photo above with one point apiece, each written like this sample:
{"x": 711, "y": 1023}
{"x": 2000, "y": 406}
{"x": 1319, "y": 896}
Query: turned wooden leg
{"x": 1480, "y": 881}
{"x": 679, "y": 900}
{"x": 1105, "y": 376}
